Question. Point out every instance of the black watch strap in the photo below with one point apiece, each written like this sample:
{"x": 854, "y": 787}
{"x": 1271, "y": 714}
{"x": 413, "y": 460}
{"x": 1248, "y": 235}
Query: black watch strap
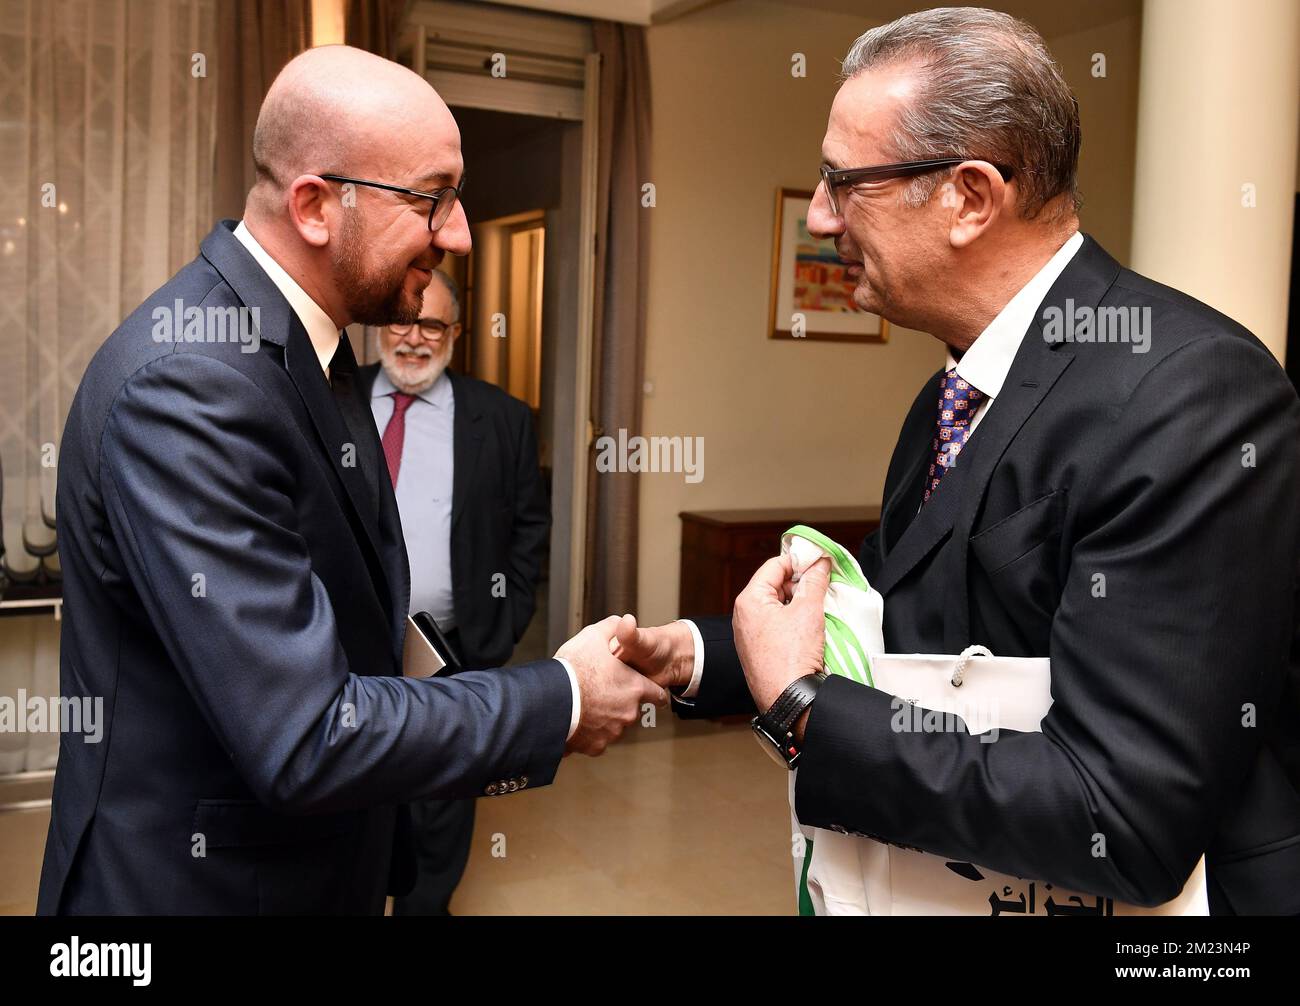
{"x": 775, "y": 724}
{"x": 791, "y": 703}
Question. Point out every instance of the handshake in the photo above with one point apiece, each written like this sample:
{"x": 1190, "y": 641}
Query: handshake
{"x": 620, "y": 666}
{"x": 779, "y": 635}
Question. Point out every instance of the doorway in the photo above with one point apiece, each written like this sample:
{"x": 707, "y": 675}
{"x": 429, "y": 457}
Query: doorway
{"x": 519, "y": 304}
{"x": 514, "y": 125}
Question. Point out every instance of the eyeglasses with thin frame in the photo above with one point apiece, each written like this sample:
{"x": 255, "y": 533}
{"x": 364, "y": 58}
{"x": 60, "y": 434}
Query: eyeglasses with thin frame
{"x": 430, "y": 328}
{"x": 834, "y": 178}
{"x": 444, "y": 199}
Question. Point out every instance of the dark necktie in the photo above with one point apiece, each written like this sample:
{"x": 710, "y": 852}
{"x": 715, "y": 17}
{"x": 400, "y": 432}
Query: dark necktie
{"x": 361, "y": 427}
{"x": 958, "y": 402}
{"x": 395, "y": 433}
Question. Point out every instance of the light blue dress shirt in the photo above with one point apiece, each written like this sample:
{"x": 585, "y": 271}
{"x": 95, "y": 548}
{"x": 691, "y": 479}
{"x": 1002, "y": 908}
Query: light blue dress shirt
{"x": 424, "y": 487}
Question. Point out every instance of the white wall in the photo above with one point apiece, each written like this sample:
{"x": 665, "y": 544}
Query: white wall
{"x": 790, "y": 423}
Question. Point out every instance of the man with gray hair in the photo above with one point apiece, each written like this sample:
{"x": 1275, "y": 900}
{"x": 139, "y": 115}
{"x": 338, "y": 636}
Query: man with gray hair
{"x": 1057, "y": 490}
{"x": 462, "y": 457}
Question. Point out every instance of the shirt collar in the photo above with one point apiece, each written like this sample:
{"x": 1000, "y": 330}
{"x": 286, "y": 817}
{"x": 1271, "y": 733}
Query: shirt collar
{"x": 986, "y": 364}
{"x": 320, "y": 328}
{"x": 438, "y": 394}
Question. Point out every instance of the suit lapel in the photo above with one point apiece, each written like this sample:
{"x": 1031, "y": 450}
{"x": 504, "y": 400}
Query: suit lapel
{"x": 901, "y": 507}
{"x": 343, "y": 447}
{"x": 467, "y": 443}
{"x": 392, "y": 543}
{"x": 1037, "y": 367}
{"x": 1033, "y": 373}
{"x": 927, "y": 529}
{"x": 280, "y": 325}
{"x": 954, "y": 507}
{"x": 393, "y": 556}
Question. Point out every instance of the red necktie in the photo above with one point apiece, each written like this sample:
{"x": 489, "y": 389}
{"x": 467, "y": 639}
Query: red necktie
{"x": 395, "y": 433}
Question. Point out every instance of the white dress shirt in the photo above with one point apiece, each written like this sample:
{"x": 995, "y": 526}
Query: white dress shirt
{"x": 321, "y": 330}
{"x": 424, "y": 490}
{"x": 988, "y": 360}
{"x": 324, "y": 336}
{"x": 984, "y": 366}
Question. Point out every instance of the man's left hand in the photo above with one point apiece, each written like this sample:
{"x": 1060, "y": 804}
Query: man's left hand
{"x": 779, "y": 627}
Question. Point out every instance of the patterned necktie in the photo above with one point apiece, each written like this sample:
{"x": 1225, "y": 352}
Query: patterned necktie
{"x": 958, "y": 401}
{"x": 395, "y": 433}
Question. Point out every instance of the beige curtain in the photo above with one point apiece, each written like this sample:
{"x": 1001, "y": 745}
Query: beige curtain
{"x": 255, "y": 38}
{"x": 619, "y": 352}
{"x": 107, "y": 108}
{"x": 374, "y": 25}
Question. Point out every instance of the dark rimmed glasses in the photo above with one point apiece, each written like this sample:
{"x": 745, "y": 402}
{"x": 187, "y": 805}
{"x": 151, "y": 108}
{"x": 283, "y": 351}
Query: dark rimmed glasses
{"x": 430, "y": 328}
{"x": 443, "y": 200}
{"x": 834, "y": 178}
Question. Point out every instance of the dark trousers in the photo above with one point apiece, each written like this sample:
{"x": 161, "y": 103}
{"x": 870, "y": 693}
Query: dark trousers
{"x": 442, "y": 831}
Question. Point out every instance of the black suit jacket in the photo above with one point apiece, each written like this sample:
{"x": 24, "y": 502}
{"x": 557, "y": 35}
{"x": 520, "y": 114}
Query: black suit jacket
{"x": 235, "y": 589}
{"x": 1132, "y": 516}
{"x": 500, "y": 516}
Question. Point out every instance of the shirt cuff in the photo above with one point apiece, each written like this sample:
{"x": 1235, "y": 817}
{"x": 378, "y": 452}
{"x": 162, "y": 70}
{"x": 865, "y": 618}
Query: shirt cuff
{"x": 698, "y": 672}
{"x": 576, "y": 715}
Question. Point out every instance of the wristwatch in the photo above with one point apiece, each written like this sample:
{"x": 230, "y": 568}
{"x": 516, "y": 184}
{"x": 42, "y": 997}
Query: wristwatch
{"x": 774, "y": 729}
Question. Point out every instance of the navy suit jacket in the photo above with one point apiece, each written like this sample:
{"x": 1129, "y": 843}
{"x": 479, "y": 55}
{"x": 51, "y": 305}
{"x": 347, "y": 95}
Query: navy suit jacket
{"x": 235, "y": 589}
{"x": 1133, "y": 516}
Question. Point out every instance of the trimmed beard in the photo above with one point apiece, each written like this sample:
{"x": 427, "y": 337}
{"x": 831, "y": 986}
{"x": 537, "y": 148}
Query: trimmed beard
{"x": 377, "y": 299}
{"x": 437, "y": 362}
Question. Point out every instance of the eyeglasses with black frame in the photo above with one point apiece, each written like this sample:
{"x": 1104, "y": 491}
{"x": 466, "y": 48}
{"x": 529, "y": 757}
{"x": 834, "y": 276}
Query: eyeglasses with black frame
{"x": 430, "y": 328}
{"x": 834, "y": 178}
{"x": 444, "y": 199}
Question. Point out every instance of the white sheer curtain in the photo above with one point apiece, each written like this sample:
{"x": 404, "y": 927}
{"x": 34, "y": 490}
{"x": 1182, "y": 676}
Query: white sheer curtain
{"x": 107, "y": 120}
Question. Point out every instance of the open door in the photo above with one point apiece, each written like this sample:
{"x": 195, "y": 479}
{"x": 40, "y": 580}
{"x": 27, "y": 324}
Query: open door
{"x": 502, "y": 60}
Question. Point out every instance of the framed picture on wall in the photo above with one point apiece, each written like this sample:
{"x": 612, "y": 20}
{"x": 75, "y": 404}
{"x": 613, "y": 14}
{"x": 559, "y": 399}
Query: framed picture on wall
{"x": 811, "y": 296}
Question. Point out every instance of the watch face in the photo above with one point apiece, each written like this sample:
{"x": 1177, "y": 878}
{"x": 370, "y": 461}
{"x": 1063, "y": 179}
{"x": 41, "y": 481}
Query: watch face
{"x": 768, "y": 745}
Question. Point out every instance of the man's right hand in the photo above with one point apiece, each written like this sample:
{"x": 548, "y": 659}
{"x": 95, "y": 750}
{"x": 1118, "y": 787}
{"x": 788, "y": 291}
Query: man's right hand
{"x": 663, "y": 653}
{"x": 612, "y": 693}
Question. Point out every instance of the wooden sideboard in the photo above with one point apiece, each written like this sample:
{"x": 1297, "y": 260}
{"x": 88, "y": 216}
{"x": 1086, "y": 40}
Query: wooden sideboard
{"x": 721, "y": 549}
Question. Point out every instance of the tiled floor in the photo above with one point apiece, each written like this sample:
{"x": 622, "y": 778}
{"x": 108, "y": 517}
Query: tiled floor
{"x": 685, "y": 818}
{"x": 681, "y": 818}
{"x": 22, "y": 841}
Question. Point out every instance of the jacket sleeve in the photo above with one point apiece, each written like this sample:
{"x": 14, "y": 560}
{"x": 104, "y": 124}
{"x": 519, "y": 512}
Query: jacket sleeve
{"x": 1161, "y": 688}
{"x": 532, "y": 525}
{"x": 199, "y": 489}
{"x": 723, "y": 689}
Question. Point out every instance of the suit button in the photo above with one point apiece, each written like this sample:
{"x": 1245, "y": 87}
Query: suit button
{"x": 523, "y": 781}
{"x": 514, "y": 785}
{"x": 491, "y": 789}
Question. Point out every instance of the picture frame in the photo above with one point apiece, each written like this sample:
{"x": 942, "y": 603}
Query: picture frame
{"x": 807, "y": 279}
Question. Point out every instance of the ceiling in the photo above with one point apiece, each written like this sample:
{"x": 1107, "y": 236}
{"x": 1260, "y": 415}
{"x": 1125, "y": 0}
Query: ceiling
{"x": 643, "y": 12}
{"x": 1050, "y": 17}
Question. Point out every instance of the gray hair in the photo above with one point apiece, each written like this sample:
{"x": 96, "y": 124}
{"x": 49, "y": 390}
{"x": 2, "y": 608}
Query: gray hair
{"x": 452, "y": 289}
{"x": 989, "y": 90}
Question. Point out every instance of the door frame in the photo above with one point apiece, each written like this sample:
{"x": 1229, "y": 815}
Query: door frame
{"x": 565, "y": 45}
